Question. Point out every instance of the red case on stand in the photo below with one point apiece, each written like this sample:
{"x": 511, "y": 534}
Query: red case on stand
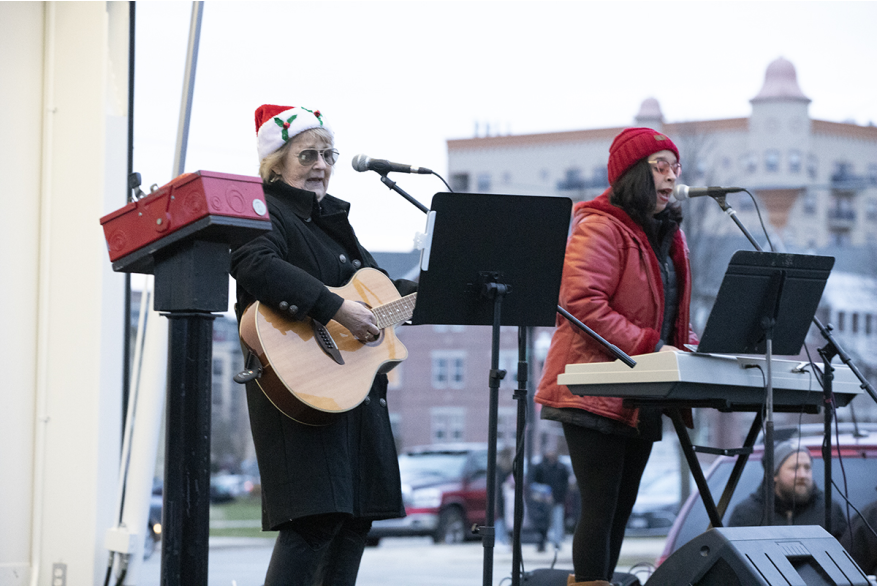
{"x": 180, "y": 202}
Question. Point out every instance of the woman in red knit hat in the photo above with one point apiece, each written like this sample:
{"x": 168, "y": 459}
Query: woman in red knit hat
{"x": 626, "y": 275}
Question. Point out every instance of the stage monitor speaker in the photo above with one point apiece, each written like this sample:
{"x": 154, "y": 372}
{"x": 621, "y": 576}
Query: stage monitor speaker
{"x": 764, "y": 555}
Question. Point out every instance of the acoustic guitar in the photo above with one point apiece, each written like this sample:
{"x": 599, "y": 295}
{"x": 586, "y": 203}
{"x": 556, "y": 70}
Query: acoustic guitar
{"x": 313, "y": 372}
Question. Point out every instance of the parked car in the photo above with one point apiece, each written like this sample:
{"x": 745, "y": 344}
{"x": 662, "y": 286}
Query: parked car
{"x": 444, "y": 489}
{"x": 657, "y": 505}
{"x": 858, "y": 474}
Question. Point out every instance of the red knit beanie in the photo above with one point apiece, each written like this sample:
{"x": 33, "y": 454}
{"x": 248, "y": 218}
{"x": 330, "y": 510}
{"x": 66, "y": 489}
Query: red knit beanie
{"x": 633, "y": 144}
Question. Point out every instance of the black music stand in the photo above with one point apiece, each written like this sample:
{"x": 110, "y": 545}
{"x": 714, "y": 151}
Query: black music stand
{"x": 493, "y": 260}
{"x": 765, "y": 305}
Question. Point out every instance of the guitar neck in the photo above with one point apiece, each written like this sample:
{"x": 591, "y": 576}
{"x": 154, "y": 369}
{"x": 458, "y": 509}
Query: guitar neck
{"x": 395, "y": 312}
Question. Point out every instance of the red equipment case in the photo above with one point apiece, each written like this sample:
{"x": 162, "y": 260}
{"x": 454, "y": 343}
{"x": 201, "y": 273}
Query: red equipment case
{"x": 180, "y": 202}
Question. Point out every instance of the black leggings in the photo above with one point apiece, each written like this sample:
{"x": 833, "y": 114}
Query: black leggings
{"x": 608, "y": 470}
{"x": 318, "y": 550}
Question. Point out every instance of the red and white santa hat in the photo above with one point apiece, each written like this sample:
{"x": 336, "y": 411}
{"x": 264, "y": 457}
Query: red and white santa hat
{"x": 275, "y": 125}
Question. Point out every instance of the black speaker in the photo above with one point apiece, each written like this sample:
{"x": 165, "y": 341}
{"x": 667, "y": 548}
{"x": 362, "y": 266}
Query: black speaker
{"x": 765, "y": 555}
{"x": 560, "y": 576}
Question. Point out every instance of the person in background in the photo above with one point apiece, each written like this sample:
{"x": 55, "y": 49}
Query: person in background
{"x": 553, "y": 473}
{"x": 797, "y": 500}
{"x": 626, "y": 275}
{"x": 861, "y": 540}
{"x": 322, "y": 486}
{"x": 504, "y": 467}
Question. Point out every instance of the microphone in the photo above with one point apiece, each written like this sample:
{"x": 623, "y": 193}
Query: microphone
{"x": 683, "y": 192}
{"x": 365, "y": 163}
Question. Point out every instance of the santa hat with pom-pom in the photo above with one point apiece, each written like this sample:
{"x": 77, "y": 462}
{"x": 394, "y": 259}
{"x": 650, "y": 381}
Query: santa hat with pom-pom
{"x": 275, "y": 125}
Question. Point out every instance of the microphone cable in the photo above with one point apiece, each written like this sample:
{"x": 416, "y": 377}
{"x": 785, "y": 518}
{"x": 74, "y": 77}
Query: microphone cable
{"x": 761, "y": 220}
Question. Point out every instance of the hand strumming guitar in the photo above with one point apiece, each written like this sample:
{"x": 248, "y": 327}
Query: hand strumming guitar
{"x": 358, "y": 319}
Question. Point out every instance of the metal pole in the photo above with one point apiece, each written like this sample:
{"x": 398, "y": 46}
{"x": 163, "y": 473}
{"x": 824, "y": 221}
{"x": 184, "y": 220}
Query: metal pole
{"x": 188, "y": 88}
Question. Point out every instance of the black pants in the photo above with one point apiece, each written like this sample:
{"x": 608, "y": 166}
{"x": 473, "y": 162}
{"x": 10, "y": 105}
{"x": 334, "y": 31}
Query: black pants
{"x": 608, "y": 470}
{"x": 318, "y": 550}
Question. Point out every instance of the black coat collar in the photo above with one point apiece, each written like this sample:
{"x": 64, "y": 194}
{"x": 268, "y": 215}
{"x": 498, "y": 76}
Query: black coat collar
{"x": 304, "y": 203}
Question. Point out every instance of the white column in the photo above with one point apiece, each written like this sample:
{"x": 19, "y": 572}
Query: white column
{"x": 63, "y": 166}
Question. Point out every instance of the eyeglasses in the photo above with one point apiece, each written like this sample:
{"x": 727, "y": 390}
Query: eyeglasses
{"x": 309, "y": 157}
{"x": 665, "y": 166}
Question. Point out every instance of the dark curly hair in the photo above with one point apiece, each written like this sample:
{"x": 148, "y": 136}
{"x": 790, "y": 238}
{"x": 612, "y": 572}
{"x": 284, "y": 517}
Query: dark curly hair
{"x": 635, "y": 193}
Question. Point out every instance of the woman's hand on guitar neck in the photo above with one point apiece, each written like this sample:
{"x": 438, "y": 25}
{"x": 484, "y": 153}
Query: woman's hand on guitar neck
{"x": 358, "y": 319}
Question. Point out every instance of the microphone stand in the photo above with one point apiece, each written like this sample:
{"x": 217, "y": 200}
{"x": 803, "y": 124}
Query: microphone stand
{"x": 520, "y": 396}
{"x": 827, "y": 352}
{"x": 392, "y": 185}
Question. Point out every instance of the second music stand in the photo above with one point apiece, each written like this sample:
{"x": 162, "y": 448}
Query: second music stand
{"x": 765, "y": 305}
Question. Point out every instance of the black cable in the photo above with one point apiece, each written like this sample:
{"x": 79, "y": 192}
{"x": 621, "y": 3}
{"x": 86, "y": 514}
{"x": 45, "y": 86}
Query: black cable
{"x": 109, "y": 568}
{"x": 443, "y": 180}
{"x": 846, "y": 492}
{"x": 761, "y": 220}
{"x": 858, "y": 513}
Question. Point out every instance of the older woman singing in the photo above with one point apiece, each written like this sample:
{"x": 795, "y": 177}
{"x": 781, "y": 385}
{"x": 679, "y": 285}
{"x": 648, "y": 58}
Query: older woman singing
{"x": 322, "y": 486}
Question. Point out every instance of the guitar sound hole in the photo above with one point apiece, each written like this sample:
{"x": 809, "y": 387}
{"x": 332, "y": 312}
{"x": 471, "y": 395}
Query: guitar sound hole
{"x": 376, "y": 341}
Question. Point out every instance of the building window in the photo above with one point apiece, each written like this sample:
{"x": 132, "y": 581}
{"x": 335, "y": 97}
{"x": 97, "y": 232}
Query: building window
{"x": 508, "y": 361}
{"x": 506, "y": 425}
{"x": 447, "y": 424}
{"x": 794, "y": 161}
{"x": 483, "y": 182}
{"x": 572, "y": 180}
{"x": 460, "y": 182}
{"x": 855, "y": 324}
{"x": 840, "y": 238}
{"x": 812, "y": 166}
{"x": 217, "y": 387}
{"x": 772, "y": 160}
{"x": 868, "y": 324}
{"x": 842, "y": 173}
{"x": 841, "y": 320}
{"x": 448, "y": 369}
{"x": 810, "y": 203}
{"x": 748, "y": 162}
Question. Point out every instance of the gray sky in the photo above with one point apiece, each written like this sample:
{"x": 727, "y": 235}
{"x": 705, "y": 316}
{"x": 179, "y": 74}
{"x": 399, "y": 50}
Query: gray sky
{"x": 395, "y": 80}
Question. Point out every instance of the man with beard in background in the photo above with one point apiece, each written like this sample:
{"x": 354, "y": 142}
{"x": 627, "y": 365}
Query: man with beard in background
{"x": 797, "y": 501}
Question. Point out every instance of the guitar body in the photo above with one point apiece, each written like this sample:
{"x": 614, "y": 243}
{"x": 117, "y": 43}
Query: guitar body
{"x": 299, "y": 377}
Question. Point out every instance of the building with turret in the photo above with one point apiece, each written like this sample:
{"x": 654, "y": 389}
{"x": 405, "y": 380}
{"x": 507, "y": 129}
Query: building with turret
{"x": 815, "y": 180}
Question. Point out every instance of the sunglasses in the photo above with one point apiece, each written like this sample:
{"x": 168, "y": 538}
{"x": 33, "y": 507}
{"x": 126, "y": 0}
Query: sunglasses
{"x": 664, "y": 166}
{"x": 309, "y": 156}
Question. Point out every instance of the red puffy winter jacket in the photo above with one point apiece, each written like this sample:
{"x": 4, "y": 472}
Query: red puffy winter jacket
{"x": 611, "y": 282}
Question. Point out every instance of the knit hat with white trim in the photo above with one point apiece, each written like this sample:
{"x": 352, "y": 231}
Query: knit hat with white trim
{"x": 275, "y": 125}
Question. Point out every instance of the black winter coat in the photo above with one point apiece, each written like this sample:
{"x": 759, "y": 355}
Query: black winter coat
{"x": 750, "y": 512}
{"x": 349, "y": 466}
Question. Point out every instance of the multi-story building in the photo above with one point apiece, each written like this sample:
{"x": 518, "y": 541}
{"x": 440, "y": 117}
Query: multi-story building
{"x": 816, "y": 180}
